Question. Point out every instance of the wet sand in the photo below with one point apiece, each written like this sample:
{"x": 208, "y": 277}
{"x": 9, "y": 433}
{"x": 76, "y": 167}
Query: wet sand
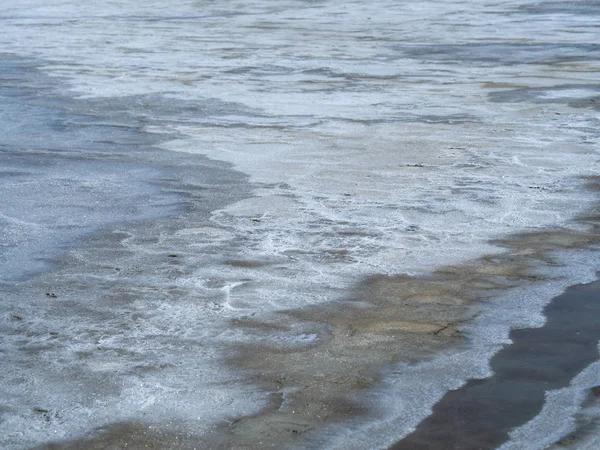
{"x": 398, "y": 319}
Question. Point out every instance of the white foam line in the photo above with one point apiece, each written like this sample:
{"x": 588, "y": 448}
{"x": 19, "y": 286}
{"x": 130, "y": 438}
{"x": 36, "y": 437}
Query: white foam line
{"x": 558, "y": 416}
{"x": 227, "y": 292}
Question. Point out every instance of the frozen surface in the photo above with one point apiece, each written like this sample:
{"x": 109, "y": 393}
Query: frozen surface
{"x": 279, "y": 151}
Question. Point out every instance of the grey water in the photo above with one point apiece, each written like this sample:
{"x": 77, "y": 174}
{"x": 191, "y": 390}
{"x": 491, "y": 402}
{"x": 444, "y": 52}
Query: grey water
{"x": 71, "y": 167}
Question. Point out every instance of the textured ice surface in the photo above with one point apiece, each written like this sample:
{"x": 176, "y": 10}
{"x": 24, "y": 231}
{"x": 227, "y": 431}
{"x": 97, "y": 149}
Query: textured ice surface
{"x": 380, "y": 137}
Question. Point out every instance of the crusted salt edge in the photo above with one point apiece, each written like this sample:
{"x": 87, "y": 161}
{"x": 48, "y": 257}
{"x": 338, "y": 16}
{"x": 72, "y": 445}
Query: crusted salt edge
{"x": 290, "y": 106}
{"x": 358, "y": 210}
{"x": 117, "y": 60}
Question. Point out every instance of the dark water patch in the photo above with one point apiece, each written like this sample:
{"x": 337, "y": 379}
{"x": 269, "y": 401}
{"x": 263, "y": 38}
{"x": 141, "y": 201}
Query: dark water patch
{"x": 559, "y": 94}
{"x": 586, "y": 8}
{"x": 481, "y": 414}
{"x": 264, "y": 70}
{"x": 502, "y": 53}
{"x": 66, "y": 170}
{"x": 246, "y": 263}
{"x": 449, "y": 119}
{"x": 157, "y": 107}
{"x": 126, "y": 435}
{"x": 63, "y": 183}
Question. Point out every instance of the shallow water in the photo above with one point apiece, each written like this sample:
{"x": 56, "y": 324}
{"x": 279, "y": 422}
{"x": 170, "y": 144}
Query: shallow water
{"x": 214, "y": 213}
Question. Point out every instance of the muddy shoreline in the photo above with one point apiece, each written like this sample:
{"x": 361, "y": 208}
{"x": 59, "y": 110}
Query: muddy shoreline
{"x": 398, "y": 318}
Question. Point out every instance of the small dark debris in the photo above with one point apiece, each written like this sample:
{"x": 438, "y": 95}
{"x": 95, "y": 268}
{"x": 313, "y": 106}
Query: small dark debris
{"x": 415, "y": 165}
{"x": 256, "y": 220}
{"x": 567, "y": 442}
{"x": 51, "y": 295}
{"x": 53, "y": 333}
{"x": 15, "y": 317}
{"x": 172, "y": 255}
{"x": 41, "y": 411}
{"x": 538, "y": 187}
